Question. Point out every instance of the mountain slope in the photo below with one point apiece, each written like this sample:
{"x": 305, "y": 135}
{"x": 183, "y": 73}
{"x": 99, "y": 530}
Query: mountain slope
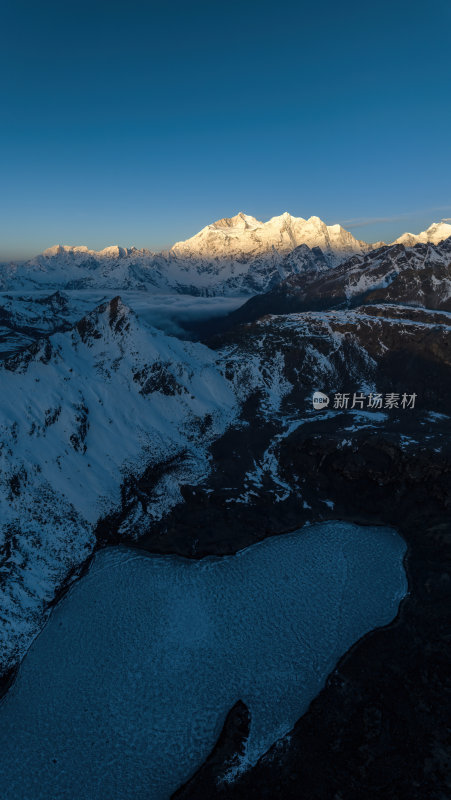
{"x": 23, "y": 319}
{"x": 64, "y": 267}
{"x": 81, "y": 412}
{"x": 419, "y": 276}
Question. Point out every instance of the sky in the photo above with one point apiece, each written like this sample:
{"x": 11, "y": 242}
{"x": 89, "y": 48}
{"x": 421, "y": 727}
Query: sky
{"x": 138, "y": 123}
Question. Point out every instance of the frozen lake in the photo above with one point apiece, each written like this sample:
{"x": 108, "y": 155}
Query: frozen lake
{"x": 124, "y": 693}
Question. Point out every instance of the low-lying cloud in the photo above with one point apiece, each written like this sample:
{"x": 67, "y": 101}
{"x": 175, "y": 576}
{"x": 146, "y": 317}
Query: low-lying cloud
{"x": 172, "y": 312}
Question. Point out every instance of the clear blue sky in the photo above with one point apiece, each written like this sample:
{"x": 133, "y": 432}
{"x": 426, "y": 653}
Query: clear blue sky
{"x": 140, "y": 122}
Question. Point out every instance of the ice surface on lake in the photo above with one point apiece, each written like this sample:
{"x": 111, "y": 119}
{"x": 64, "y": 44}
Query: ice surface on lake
{"x": 124, "y": 693}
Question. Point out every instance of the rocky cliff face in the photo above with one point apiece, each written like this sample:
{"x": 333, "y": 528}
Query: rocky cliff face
{"x": 275, "y": 365}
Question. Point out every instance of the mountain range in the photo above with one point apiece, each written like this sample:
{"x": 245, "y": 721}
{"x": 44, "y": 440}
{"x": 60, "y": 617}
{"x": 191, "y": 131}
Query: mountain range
{"x": 233, "y": 256}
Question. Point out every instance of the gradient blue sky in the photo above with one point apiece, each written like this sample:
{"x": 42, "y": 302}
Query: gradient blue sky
{"x": 141, "y": 122}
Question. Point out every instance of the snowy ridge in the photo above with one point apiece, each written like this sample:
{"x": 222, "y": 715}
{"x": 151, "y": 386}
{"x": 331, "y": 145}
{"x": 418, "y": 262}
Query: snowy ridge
{"x": 244, "y": 235}
{"x": 420, "y": 274}
{"x": 65, "y": 268}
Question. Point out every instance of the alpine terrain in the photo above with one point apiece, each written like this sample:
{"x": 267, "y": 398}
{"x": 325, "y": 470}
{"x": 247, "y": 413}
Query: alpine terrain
{"x": 113, "y": 432}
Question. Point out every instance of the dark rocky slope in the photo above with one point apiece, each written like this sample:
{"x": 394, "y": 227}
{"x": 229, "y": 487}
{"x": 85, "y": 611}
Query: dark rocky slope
{"x": 418, "y": 276}
{"x": 335, "y": 352}
{"x": 380, "y": 728}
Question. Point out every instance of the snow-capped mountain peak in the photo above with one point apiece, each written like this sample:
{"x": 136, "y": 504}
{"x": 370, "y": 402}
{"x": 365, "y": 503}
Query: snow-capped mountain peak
{"x": 113, "y": 251}
{"x": 436, "y": 233}
{"x": 245, "y": 236}
{"x": 62, "y": 249}
{"x": 240, "y": 220}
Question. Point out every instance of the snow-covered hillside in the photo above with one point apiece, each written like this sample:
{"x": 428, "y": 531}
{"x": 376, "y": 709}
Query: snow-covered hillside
{"x": 81, "y": 412}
